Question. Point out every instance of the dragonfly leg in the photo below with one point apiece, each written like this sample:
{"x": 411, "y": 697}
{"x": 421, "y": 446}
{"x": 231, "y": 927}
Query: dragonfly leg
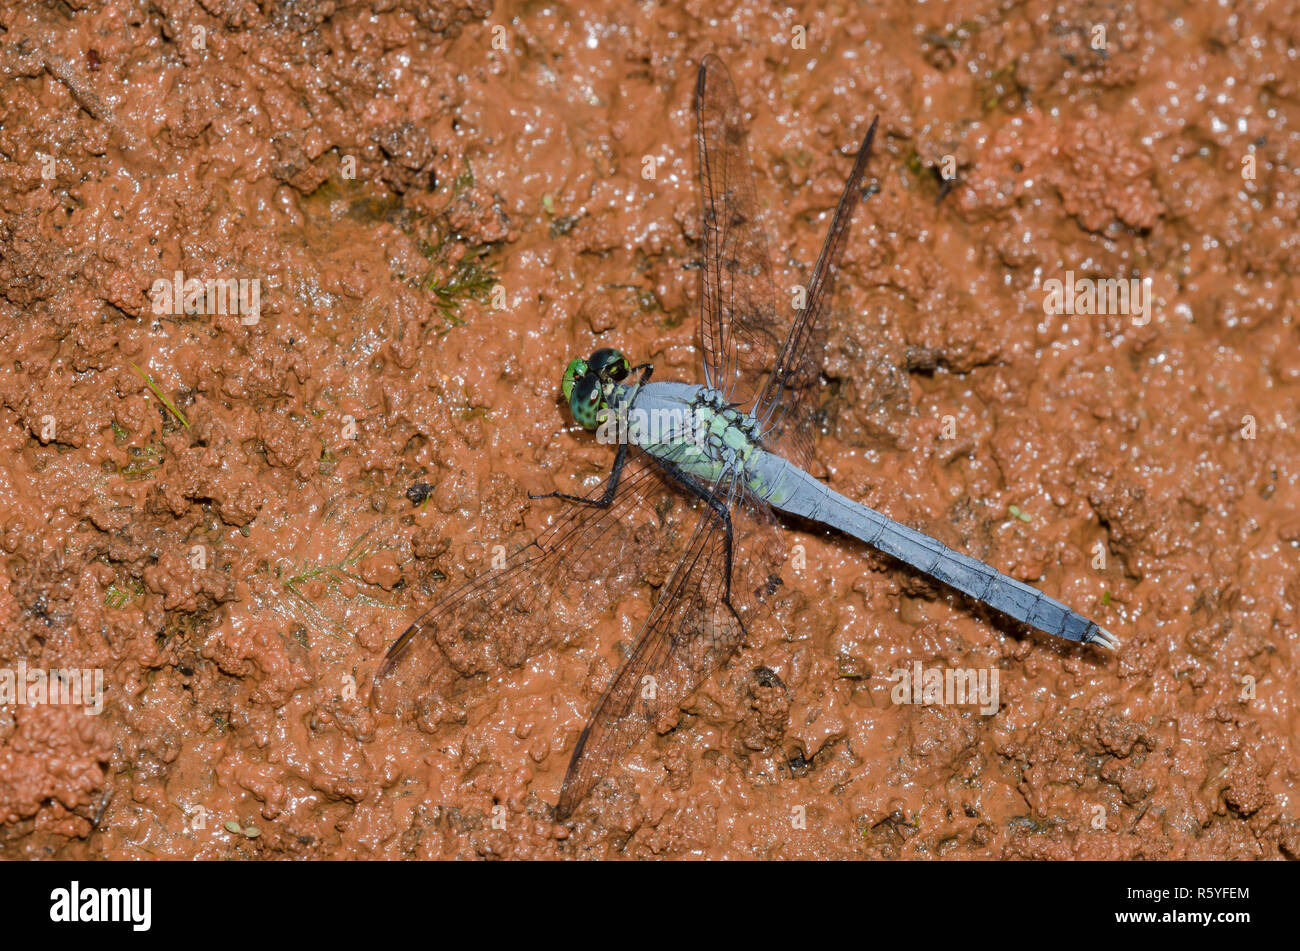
{"x": 606, "y": 500}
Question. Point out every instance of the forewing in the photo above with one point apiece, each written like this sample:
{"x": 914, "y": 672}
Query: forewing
{"x": 739, "y": 330}
{"x": 580, "y": 565}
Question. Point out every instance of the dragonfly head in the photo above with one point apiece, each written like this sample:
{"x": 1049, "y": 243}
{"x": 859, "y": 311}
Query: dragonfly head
{"x": 588, "y": 384}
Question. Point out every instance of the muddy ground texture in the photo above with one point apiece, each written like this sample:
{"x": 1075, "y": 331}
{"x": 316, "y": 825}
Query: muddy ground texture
{"x": 380, "y": 167}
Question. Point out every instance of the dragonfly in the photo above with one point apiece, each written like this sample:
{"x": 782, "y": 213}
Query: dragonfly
{"x": 730, "y": 456}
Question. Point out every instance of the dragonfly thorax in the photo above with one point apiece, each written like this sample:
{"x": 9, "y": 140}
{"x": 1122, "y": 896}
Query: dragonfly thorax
{"x": 727, "y": 432}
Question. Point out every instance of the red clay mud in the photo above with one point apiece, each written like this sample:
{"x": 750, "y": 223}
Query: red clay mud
{"x": 439, "y": 215}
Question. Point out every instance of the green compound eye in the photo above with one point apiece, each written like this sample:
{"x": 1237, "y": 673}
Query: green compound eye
{"x": 609, "y": 362}
{"x": 577, "y": 370}
{"x": 587, "y": 400}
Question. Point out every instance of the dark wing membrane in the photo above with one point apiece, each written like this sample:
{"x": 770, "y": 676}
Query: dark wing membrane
{"x": 788, "y": 401}
{"x": 580, "y": 565}
{"x": 739, "y": 330}
{"x": 690, "y": 633}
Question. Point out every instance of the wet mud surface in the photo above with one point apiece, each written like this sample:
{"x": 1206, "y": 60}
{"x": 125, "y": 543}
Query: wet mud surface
{"x": 212, "y": 508}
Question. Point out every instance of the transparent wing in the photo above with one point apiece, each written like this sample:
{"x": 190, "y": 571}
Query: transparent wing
{"x": 692, "y": 631}
{"x": 739, "y": 329}
{"x": 765, "y": 364}
{"x": 788, "y": 401}
{"x": 580, "y": 565}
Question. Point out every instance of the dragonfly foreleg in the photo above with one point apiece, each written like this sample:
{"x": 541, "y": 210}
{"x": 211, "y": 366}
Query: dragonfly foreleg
{"x": 611, "y": 487}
